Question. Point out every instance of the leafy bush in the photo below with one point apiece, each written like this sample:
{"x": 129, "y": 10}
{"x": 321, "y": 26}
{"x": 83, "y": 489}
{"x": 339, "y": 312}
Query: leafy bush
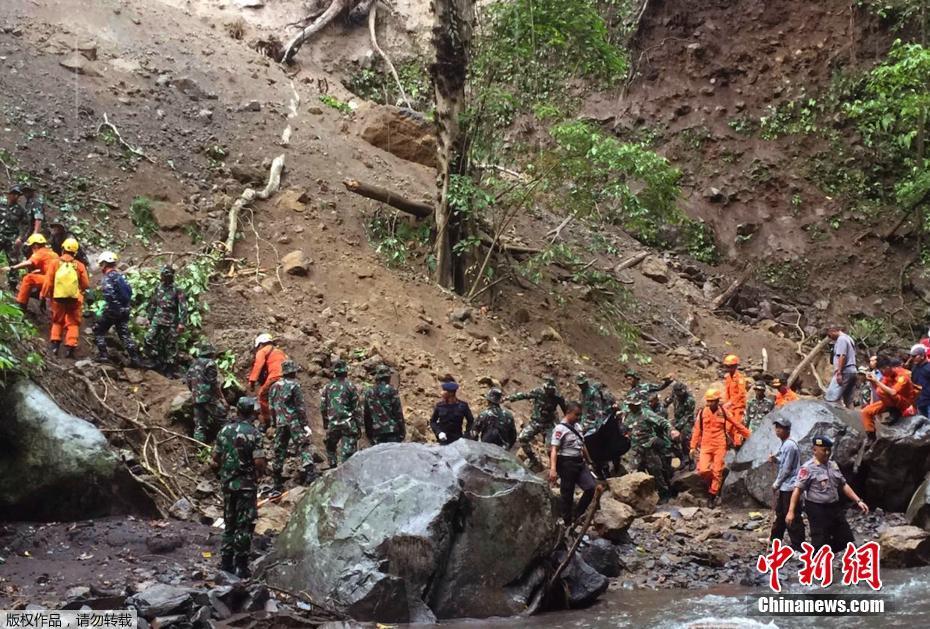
{"x": 15, "y": 330}
{"x": 140, "y": 213}
{"x": 335, "y": 103}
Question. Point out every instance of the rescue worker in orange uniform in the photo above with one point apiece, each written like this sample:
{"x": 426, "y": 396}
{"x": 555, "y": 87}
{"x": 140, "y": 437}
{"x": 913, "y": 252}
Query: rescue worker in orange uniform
{"x": 734, "y": 395}
{"x": 783, "y": 394}
{"x": 711, "y": 437}
{"x": 896, "y": 394}
{"x": 38, "y": 263}
{"x": 266, "y": 370}
{"x": 65, "y": 282}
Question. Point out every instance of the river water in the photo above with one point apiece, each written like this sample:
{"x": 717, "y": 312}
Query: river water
{"x": 906, "y": 594}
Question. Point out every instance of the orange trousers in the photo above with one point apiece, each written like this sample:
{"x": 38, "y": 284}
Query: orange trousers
{"x": 736, "y": 415}
{"x": 873, "y": 410}
{"x": 710, "y": 467}
{"x": 29, "y": 282}
{"x": 264, "y": 407}
{"x": 66, "y": 318}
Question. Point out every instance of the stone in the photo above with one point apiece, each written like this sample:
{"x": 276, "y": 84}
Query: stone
{"x": 181, "y": 406}
{"x": 918, "y": 510}
{"x": 401, "y": 132}
{"x": 461, "y": 315}
{"x": 190, "y": 88}
{"x": 892, "y": 469}
{"x": 295, "y": 263}
{"x": 294, "y": 200}
{"x": 655, "y": 269}
{"x": 182, "y": 509}
{"x": 161, "y": 544}
{"x": 583, "y": 583}
{"x": 689, "y": 481}
{"x": 411, "y": 532}
{"x": 79, "y": 64}
{"x": 904, "y": 547}
{"x": 272, "y": 518}
{"x": 77, "y": 592}
{"x": 250, "y": 105}
{"x": 58, "y": 467}
{"x": 603, "y": 556}
{"x": 714, "y": 195}
{"x": 88, "y": 49}
{"x": 638, "y": 490}
{"x": 171, "y": 216}
{"x": 250, "y": 4}
{"x": 160, "y": 600}
{"x": 550, "y": 334}
{"x": 613, "y": 519}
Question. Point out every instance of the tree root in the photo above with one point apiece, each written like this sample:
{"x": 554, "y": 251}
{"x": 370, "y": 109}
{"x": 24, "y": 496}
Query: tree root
{"x": 249, "y": 195}
{"x": 372, "y": 20}
{"x": 294, "y": 43}
{"x": 129, "y": 147}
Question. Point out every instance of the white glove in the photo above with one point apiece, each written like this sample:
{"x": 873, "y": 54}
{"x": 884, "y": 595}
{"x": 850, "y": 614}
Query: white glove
{"x": 441, "y": 436}
{"x": 307, "y": 431}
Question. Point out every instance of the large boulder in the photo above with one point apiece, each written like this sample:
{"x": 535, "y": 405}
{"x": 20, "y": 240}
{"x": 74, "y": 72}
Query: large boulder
{"x": 886, "y": 474}
{"x": 637, "y": 490}
{"x": 402, "y": 132}
{"x": 410, "y": 532}
{"x": 918, "y": 511}
{"x": 54, "y": 466}
{"x": 583, "y": 584}
{"x": 612, "y": 519}
{"x": 904, "y": 547}
{"x": 603, "y": 556}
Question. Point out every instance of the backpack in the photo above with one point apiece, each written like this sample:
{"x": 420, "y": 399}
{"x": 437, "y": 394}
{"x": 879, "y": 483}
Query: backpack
{"x": 67, "y": 285}
{"x": 123, "y": 291}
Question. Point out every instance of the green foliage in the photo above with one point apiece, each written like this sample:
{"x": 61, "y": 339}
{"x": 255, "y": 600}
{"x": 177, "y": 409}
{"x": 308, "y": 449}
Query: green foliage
{"x": 396, "y": 239}
{"x": 870, "y": 332}
{"x": 15, "y": 330}
{"x": 701, "y": 242}
{"x": 626, "y": 183}
{"x": 793, "y": 117}
{"x": 744, "y": 125}
{"x": 788, "y": 275}
{"x": 335, "y": 103}
{"x": 376, "y": 84}
{"x": 140, "y": 212}
{"x": 226, "y": 364}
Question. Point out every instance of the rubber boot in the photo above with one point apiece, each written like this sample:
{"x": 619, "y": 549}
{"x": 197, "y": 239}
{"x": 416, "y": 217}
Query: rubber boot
{"x": 242, "y": 568}
{"x": 102, "y": 357}
{"x": 69, "y": 351}
{"x": 227, "y": 564}
{"x": 53, "y": 348}
{"x": 278, "y": 483}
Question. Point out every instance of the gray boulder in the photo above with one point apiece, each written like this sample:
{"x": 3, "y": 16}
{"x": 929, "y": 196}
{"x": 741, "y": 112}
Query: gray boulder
{"x": 410, "y": 532}
{"x": 603, "y": 556}
{"x": 918, "y": 511}
{"x": 897, "y": 463}
{"x": 160, "y": 600}
{"x": 583, "y": 584}
{"x": 54, "y": 466}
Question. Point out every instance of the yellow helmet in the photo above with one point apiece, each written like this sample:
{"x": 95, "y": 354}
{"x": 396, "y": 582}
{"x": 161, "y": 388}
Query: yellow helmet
{"x": 36, "y": 239}
{"x": 70, "y": 245}
{"x": 712, "y": 394}
{"x": 730, "y": 360}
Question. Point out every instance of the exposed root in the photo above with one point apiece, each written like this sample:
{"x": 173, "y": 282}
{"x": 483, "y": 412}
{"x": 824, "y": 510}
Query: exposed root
{"x": 372, "y": 22}
{"x": 293, "y": 45}
{"x": 106, "y": 123}
{"x": 249, "y": 195}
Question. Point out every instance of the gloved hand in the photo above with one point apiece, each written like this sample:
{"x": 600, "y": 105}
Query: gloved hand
{"x": 441, "y": 437}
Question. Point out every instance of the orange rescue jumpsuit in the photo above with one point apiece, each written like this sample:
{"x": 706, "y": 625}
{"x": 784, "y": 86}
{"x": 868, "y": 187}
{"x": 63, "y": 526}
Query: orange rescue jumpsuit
{"x": 783, "y": 398}
{"x": 734, "y": 401}
{"x": 66, "y": 314}
{"x": 710, "y": 435}
{"x": 40, "y": 260}
{"x": 274, "y": 358}
{"x": 904, "y": 396}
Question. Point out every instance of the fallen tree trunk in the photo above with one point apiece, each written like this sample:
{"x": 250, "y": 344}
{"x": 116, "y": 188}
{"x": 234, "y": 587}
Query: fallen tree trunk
{"x": 807, "y": 360}
{"x": 376, "y": 193}
{"x": 249, "y": 195}
{"x": 486, "y": 239}
{"x": 335, "y": 8}
{"x": 631, "y": 262}
{"x": 726, "y": 295}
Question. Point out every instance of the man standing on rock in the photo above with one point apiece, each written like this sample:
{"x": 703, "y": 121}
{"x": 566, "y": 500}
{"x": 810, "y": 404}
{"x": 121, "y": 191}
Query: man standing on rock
{"x": 920, "y": 375}
{"x": 820, "y": 480}
{"x": 339, "y": 410}
{"x": 546, "y": 399}
{"x": 203, "y": 380}
{"x": 383, "y": 412}
{"x": 597, "y": 403}
{"x": 758, "y": 407}
{"x": 682, "y": 419}
{"x": 266, "y": 370}
{"x": 650, "y": 442}
{"x": 711, "y": 436}
{"x": 167, "y": 316}
{"x": 239, "y": 460}
{"x": 117, "y": 303}
{"x": 734, "y": 394}
{"x": 495, "y": 424}
{"x": 449, "y": 415}
{"x": 789, "y": 462}
{"x": 783, "y": 394}
{"x": 844, "y": 364}
{"x": 896, "y": 395}
{"x": 567, "y": 464}
{"x": 289, "y": 414}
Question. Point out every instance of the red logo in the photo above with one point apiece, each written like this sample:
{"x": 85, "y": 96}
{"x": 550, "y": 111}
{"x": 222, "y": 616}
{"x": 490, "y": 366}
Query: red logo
{"x": 859, "y": 565}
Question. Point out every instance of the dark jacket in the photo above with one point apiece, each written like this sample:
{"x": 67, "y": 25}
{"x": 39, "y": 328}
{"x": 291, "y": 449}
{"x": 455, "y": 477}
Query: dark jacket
{"x": 448, "y": 418}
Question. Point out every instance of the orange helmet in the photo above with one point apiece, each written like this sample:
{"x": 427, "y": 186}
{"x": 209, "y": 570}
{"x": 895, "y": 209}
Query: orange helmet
{"x": 712, "y": 394}
{"x": 730, "y": 359}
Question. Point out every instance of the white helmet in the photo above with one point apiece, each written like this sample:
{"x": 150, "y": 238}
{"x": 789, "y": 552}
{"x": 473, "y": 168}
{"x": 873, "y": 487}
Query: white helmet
{"x": 107, "y": 257}
{"x": 263, "y": 338}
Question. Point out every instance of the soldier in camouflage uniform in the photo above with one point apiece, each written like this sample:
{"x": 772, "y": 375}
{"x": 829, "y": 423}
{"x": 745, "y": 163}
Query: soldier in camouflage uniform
{"x": 758, "y": 407}
{"x": 35, "y": 207}
{"x": 117, "y": 302}
{"x": 597, "y": 403}
{"x": 495, "y": 424}
{"x": 682, "y": 420}
{"x": 383, "y": 413}
{"x": 864, "y": 395}
{"x": 339, "y": 410}
{"x": 289, "y": 415}
{"x": 643, "y": 390}
{"x": 203, "y": 379}
{"x": 14, "y": 228}
{"x": 651, "y": 443}
{"x": 239, "y": 459}
{"x": 545, "y": 400}
{"x": 167, "y": 315}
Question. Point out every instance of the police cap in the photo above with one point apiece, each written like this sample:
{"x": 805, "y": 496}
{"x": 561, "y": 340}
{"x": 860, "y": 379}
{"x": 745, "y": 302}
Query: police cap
{"x": 823, "y": 442}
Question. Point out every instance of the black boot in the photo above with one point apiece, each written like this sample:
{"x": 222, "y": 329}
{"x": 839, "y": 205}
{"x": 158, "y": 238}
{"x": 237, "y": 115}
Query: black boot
{"x": 227, "y": 565}
{"x": 102, "y": 357}
{"x": 69, "y": 351}
{"x": 53, "y": 347}
{"x": 242, "y": 568}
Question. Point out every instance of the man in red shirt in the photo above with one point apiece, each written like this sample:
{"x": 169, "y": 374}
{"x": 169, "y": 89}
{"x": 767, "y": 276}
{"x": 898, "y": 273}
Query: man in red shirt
{"x": 783, "y": 394}
{"x": 266, "y": 370}
{"x": 896, "y": 394}
{"x": 712, "y": 432}
{"x": 38, "y": 264}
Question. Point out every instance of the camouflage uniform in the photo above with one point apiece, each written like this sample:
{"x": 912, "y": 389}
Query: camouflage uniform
{"x": 14, "y": 223}
{"x": 202, "y": 378}
{"x": 495, "y": 425}
{"x": 117, "y": 301}
{"x": 35, "y": 207}
{"x": 167, "y": 310}
{"x": 339, "y": 408}
{"x": 383, "y": 414}
{"x": 650, "y": 444}
{"x": 683, "y": 422}
{"x": 545, "y": 400}
{"x": 597, "y": 405}
{"x": 238, "y": 445}
{"x": 289, "y": 414}
{"x": 756, "y": 410}
{"x": 865, "y": 394}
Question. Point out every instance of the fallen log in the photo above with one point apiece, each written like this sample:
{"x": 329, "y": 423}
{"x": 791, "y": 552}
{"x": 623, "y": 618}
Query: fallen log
{"x": 335, "y": 8}
{"x": 629, "y": 263}
{"x": 486, "y": 239}
{"x": 376, "y": 193}
{"x": 807, "y": 360}
{"x": 726, "y": 295}
{"x": 248, "y": 195}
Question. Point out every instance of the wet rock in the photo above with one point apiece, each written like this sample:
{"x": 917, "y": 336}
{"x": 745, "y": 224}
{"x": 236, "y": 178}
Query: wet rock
{"x": 54, "y": 466}
{"x": 402, "y": 132}
{"x": 583, "y": 583}
{"x": 181, "y": 406}
{"x": 603, "y": 556}
{"x": 690, "y": 481}
{"x": 171, "y": 216}
{"x": 904, "y": 547}
{"x": 295, "y": 263}
{"x": 897, "y": 463}
{"x": 182, "y": 509}
{"x": 256, "y": 595}
{"x": 163, "y": 544}
{"x": 638, "y": 490}
{"x": 613, "y": 519}
{"x": 79, "y": 64}
{"x": 655, "y": 269}
{"x": 918, "y": 510}
{"x": 420, "y": 532}
{"x": 160, "y": 600}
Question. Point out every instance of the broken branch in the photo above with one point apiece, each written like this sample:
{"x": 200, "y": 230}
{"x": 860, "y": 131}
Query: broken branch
{"x": 249, "y": 195}
{"x": 726, "y": 295}
{"x": 631, "y": 262}
{"x": 396, "y": 201}
{"x": 106, "y": 123}
{"x": 293, "y": 45}
{"x": 807, "y": 360}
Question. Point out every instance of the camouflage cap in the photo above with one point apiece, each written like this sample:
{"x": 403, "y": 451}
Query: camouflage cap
{"x": 759, "y": 385}
{"x": 549, "y": 381}
{"x": 340, "y": 368}
{"x": 680, "y": 387}
{"x": 494, "y": 395}
{"x": 634, "y": 400}
{"x": 581, "y": 378}
{"x": 288, "y": 367}
{"x": 382, "y": 371}
{"x": 167, "y": 270}
{"x": 206, "y": 349}
{"x": 246, "y": 406}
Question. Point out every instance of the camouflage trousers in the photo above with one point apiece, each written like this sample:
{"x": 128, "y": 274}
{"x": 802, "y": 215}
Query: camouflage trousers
{"x": 347, "y": 435}
{"x": 529, "y": 432}
{"x": 654, "y": 464}
{"x": 208, "y": 417}
{"x": 287, "y": 440}
{"x": 239, "y": 514}
{"x": 109, "y": 320}
{"x": 161, "y": 345}
{"x": 387, "y": 437}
